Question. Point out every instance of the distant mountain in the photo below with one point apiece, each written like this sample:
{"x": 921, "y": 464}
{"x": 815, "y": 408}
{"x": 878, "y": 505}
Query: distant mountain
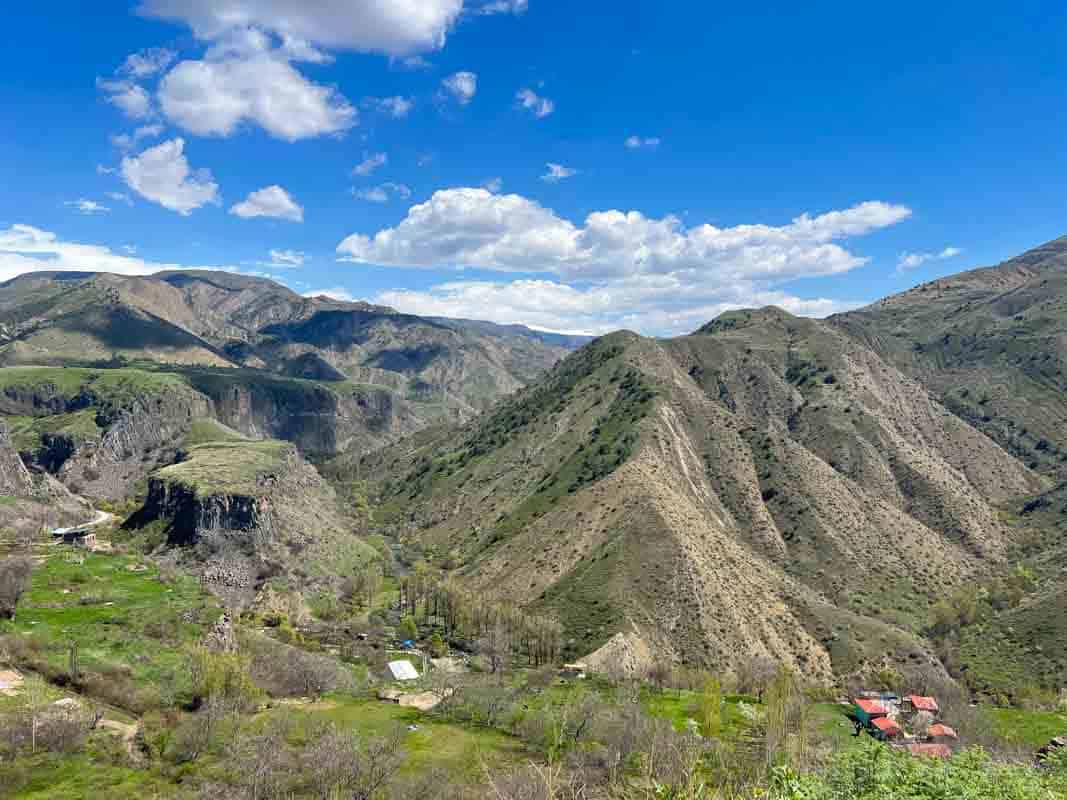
{"x": 99, "y": 369}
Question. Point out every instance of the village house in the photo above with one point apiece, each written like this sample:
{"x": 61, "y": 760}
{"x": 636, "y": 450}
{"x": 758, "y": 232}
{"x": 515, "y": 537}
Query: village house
{"x": 886, "y": 729}
{"x": 941, "y": 734}
{"x": 868, "y": 709}
{"x": 76, "y": 538}
{"x": 914, "y": 703}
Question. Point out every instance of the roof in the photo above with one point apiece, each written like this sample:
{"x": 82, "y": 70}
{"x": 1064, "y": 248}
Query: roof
{"x": 886, "y": 726}
{"x": 871, "y": 706}
{"x": 922, "y": 703}
{"x": 941, "y": 730}
{"x": 403, "y": 670}
{"x": 930, "y": 750}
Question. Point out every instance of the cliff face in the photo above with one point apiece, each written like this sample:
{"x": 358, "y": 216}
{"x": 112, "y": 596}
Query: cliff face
{"x": 238, "y": 512}
{"x": 15, "y": 479}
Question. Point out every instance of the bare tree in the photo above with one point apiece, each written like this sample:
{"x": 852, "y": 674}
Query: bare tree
{"x": 15, "y": 575}
{"x": 263, "y": 761}
{"x": 343, "y": 765}
{"x": 755, "y": 674}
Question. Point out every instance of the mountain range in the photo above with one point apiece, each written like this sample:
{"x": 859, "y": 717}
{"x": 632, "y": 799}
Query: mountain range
{"x": 767, "y": 486}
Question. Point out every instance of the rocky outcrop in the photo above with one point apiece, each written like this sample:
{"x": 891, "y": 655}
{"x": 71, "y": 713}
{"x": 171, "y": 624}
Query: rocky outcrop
{"x": 15, "y": 479}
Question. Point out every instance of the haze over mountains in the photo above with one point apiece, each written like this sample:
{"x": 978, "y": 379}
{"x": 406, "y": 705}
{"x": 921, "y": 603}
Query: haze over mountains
{"x": 767, "y": 485}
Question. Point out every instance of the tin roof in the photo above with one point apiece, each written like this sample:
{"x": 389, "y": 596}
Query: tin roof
{"x": 930, "y": 750}
{"x": 871, "y": 706}
{"x": 941, "y": 730}
{"x": 886, "y": 726}
{"x": 922, "y": 703}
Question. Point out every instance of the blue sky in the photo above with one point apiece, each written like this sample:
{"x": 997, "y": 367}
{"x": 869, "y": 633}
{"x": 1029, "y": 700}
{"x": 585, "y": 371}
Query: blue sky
{"x": 640, "y": 165}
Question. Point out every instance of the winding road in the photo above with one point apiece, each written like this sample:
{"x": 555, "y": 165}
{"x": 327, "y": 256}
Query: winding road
{"x": 101, "y": 518}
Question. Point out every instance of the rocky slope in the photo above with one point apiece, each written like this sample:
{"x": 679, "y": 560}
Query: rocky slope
{"x": 241, "y": 512}
{"x": 766, "y": 485}
{"x": 991, "y": 344}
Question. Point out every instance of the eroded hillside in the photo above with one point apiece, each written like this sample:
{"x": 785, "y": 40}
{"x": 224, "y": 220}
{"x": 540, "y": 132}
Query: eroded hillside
{"x": 766, "y": 485}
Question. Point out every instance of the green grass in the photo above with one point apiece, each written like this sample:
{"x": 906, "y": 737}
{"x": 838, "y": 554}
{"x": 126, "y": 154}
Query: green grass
{"x": 209, "y": 431}
{"x": 115, "y": 615}
{"x": 1032, "y": 728}
{"x": 226, "y": 467}
{"x": 75, "y": 777}
{"x": 435, "y": 744}
{"x": 115, "y": 386}
{"x": 27, "y": 432}
{"x": 7, "y": 500}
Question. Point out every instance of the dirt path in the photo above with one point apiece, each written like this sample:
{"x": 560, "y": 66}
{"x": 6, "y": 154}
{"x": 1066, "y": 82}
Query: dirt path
{"x": 101, "y": 518}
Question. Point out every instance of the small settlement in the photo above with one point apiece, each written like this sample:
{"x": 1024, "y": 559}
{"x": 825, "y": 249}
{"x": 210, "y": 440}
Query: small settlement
{"x": 910, "y": 722}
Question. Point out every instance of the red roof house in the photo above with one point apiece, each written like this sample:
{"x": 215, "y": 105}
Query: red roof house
{"x": 930, "y": 750}
{"x": 920, "y": 703}
{"x": 872, "y": 708}
{"x": 940, "y": 731}
{"x": 887, "y": 727}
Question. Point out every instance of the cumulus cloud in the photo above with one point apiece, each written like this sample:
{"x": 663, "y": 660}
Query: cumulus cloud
{"x": 383, "y": 193}
{"x": 25, "y": 248}
{"x": 907, "y": 261}
{"x": 396, "y": 107}
{"x": 87, "y": 207}
{"x": 639, "y": 142}
{"x": 474, "y": 227}
{"x": 462, "y": 86}
{"x": 616, "y": 268}
{"x": 246, "y": 79}
{"x": 557, "y": 306}
{"x": 130, "y": 98}
{"x": 162, "y": 174}
{"x": 539, "y": 106}
{"x": 494, "y": 184}
{"x": 370, "y": 163}
{"x": 557, "y": 173}
{"x": 287, "y": 258}
{"x": 125, "y": 141}
{"x": 270, "y": 201}
{"x": 391, "y": 27}
{"x": 147, "y": 62}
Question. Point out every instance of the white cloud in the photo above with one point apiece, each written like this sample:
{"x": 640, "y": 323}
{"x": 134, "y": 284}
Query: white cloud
{"x": 125, "y": 141}
{"x": 397, "y": 107}
{"x": 336, "y": 293}
{"x": 616, "y": 268}
{"x": 120, "y": 197}
{"x": 907, "y": 261}
{"x": 87, "y": 207}
{"x": 474, "y": 227}
{"x": 24, "y": 248}
{"x": 148, "y": 62}
{"x": 287, "y": 258}
{"x": 244, "y": 79}
{"x": 555, "y": 306}
{"x": 102, "y": 170}
{"x": 503, "y": 7}
{"x": 638, "y": 142}
{"x": 391, "y": 27}
{"x": 162, "y": 174}
{"x": 494, "y": 184}
{"x": 557, "y": 173}
{"x": 539, "y": 106}
{"x": 271, "y": 201}
{"x": 370, "y": 162}
{"x": 461, "y": 85}
{"x": 383, "y": 193}
{"x": 130, "y": 98}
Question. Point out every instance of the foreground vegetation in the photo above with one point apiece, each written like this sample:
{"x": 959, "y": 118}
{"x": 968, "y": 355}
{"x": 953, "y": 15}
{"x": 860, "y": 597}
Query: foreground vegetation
{"x": 171, "y": 700}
